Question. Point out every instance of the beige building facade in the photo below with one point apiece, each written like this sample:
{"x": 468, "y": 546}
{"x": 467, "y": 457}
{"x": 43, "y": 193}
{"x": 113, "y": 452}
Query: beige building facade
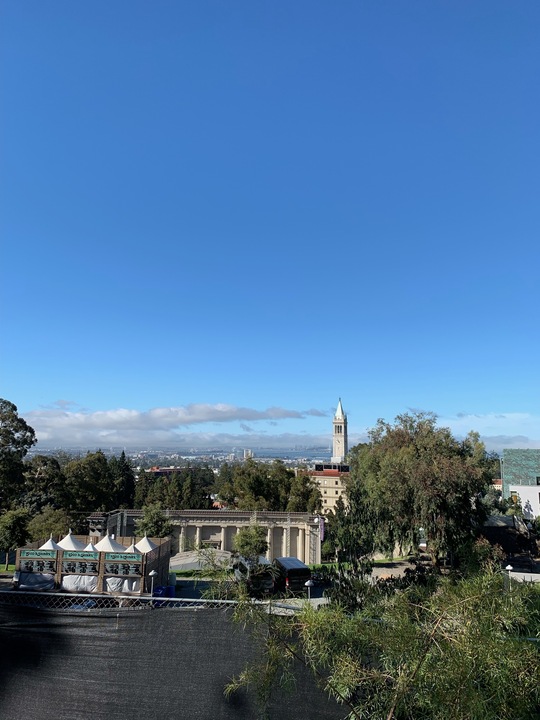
{"x": 288, "y": 534}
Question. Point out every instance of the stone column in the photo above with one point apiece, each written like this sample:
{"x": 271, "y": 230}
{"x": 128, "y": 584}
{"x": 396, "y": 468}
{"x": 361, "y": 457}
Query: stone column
{"x": 270, "y": 541}
{"x": 302, "y": 544}
{"x": 223, "y": 536}
{"x": 198, "y": 536}
{"x": 182, "y": 538}
{"x": 284, "y": 542}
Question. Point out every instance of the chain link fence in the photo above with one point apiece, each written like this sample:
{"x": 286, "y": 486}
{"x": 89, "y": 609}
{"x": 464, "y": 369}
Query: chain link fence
{"x": 71, "y": 602}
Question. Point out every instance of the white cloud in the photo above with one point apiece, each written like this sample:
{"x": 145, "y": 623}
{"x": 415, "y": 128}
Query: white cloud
{"x": 63, "y": 427}
{"x": 497, "y": 430}
{"x": 66, "y": 425}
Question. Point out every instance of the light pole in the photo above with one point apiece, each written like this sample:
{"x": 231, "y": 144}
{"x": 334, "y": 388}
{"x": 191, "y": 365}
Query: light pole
{"x": 152, "y": 574}
{"x": 508, "y": 569}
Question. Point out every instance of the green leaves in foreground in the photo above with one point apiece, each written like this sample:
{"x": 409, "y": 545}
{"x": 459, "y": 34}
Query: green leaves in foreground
{"x": 466, "y": 651}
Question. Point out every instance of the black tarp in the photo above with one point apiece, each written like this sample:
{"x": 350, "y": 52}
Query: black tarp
{"x": 124, "y": 664}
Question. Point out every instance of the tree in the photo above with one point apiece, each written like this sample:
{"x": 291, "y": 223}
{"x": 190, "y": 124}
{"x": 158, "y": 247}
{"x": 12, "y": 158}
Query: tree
{"x": 13, "y": 530}
{"x": 250, "y": 542}
{"x": 123, "y": 478}
{"x": 187, "y": 488}
{"x": 417, "y": 653}
{"x": 44, "y": 484}
{"x": 418, "y": 477}
{"x": 304, "y": 495}
{"x": 351, "y": 533}
{"x": 50, "y": 521}
{"x": 255, "y": 485}
{"x": 16, "y": 438}
{"x": 90, "y": 484}
{"x": 154, "y": 522}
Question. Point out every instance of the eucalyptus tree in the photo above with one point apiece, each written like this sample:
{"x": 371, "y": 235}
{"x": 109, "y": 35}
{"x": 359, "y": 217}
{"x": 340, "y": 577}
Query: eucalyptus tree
{"x": 420, "y": 479}
{"x": 16, "y": 439}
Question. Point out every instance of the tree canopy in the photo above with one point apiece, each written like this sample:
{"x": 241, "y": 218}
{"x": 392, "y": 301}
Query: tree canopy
{"x": 16, "y": 438}
{"x": 13, "y": 530}
{"x": 253, "y": 485}
{"x": 251, "y": 542}
{"x": 186, "y": 488}
{"x": 420, "y": 480}
{"x": 154, "y": 522}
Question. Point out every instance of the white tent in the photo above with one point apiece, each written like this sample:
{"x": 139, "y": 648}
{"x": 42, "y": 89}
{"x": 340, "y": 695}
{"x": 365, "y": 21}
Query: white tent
{"x": 109, "y": 544}
{"x": 145, "y": 545}
{"x": 50, "y": 545}
{"x": 91, "y": 548}
{"x": 132, "y": 549}
{"x": 71, "y": 543}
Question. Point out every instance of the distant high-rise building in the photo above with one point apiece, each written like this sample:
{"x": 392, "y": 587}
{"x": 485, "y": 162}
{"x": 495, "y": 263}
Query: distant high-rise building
{"x": 340, "y": 443}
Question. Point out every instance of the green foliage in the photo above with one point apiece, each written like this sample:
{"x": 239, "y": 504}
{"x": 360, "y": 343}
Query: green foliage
{"x": 44, "y": 484}
{"x": 123, "y": 478}
{"x": 187, "y": 488}
{"x": 253, "y": 485}
{"x": 154, "y": 522}
{"x": 13, "y": 529}
{"x": 89, "y": 484}
{"x": 463, "y": 651}
{"x": 304, "y": 495}
{"x": 16, "y": 438}
{"x": 494, "y": 503}
{"x": 251, "y": 542}
{"x": 50, "y": 521}
{"x": 418, "y": 476}
{"x": 351, "y": 533}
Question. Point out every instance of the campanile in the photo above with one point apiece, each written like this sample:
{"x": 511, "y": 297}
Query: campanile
{"x": 339, "y": 444}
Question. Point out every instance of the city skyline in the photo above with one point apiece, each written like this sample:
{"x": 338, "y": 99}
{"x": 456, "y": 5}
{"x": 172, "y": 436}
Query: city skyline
{"x": 217, "y": 219}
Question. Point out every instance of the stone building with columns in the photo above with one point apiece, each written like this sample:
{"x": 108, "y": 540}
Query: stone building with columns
{"x": 288, "y": 534}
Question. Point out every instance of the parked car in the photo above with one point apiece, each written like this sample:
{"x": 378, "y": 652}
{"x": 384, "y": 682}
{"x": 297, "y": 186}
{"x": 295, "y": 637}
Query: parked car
{"x": 258, "y": 574}
{"x": 292, "y": 574}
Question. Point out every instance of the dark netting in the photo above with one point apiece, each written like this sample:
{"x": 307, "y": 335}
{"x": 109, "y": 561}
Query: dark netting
{"x": 122, "y": 664}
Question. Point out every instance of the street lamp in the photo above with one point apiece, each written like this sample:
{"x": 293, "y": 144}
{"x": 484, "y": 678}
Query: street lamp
{"x": 152, "y": 574}
{"x": 309, "y": 584}
{"x": 508, "y": 569}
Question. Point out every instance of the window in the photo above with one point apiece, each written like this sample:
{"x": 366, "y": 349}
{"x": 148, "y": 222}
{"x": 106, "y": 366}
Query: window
{"x": 325, "y": 501}
{"x": 538, "y": 479}
{"x": 324, "y": 492}
{"x": 337, "y": 492}
{"x": 337, "y": 483}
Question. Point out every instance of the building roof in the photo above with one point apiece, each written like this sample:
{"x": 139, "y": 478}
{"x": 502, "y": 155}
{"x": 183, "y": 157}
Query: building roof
{"x": 327, "y": 473}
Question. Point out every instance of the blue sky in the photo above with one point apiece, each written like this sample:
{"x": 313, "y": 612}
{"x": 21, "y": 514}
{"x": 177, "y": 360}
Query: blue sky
{"x": 217, "y": 218}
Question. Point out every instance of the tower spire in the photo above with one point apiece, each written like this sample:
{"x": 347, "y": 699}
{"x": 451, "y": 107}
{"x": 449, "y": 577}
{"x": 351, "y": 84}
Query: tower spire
{"x": 339, "y": 438}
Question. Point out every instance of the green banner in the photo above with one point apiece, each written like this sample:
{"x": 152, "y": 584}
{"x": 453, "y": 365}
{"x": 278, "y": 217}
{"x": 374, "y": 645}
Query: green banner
{"x": 38, "y": 554}
{"x": 124, "y": 557}
{"x": 80, "y": 555}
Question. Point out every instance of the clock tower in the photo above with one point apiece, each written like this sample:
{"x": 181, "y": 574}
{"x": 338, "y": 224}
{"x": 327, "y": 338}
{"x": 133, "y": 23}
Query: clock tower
{"x": 339, "y": 444}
